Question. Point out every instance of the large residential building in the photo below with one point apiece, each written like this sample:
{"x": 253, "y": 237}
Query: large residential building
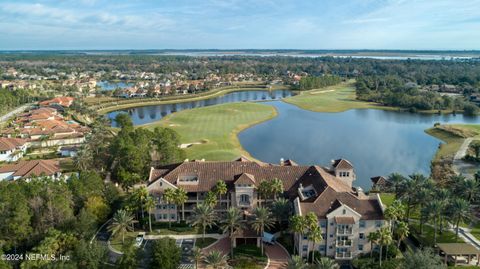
{"x": 12, "y": 149}
{"x": 27, "y": 170}
{"x": 345, "y": 214}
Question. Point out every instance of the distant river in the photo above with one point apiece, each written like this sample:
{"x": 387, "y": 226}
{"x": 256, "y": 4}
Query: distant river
{"x": 377, "y": 142}
{"x": 110, "y": 86}
{"x": 148, "y": 114}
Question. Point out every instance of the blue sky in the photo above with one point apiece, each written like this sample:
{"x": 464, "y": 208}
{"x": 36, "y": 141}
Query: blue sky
{"x": 231, "y": 24}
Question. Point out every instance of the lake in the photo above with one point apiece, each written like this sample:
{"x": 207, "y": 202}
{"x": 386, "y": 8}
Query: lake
{"x": 148, "y": 114}
{"x": 377, "y": 142}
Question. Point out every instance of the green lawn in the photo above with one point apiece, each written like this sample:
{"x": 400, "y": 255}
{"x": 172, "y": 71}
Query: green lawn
{"x": 427, "y": 237}
{"x": 215, "y": 128}
{"x": 476, "y": 230}
{"x": 336, "y": 98}
{"x": 453, "y": 136}
{"x": 387, "y": 198}
{"x": 201, "y": 243}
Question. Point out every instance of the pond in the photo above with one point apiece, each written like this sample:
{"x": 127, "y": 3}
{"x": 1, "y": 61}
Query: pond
{"x": 148, "y": 114}
{"x": 377, "y": 142}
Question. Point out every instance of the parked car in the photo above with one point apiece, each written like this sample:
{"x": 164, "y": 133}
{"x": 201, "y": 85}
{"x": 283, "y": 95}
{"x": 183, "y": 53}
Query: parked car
{"x": 139, "y": 240}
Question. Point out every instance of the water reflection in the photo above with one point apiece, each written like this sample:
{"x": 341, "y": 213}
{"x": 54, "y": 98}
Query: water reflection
{"x": 377, "y": 142}
{"x": 159, "y": 111}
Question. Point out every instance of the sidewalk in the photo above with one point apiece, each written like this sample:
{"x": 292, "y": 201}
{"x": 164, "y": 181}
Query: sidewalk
{"x": 14, "y": 112}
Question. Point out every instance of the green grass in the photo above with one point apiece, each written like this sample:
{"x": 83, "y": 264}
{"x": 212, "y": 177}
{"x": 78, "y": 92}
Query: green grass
{"x": 116, "y": 241}
{"x": 215, "y": 128}
{"x": 201, "y": 242}
{"x": 426, "y": 238}
{"x": 453, "y": 136}
{"x": 476, "y": 230}
{"x": 336, "y": 98}
{"x": 387, "y": 198}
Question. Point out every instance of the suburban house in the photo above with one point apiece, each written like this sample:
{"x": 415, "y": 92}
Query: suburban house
{"x": 63, "y": 101}
{"x": 380, "y": 183}
{"x": 12, "y": 149}
{"x": 345, "y": 214}
{"x": 27, "y": 170}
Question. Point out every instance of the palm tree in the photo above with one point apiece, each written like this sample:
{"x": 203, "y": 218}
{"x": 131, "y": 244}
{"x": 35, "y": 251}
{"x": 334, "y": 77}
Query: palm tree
{"x": 281, "y": 209}
{"x": 397, "y": 184}
{"x": 442, "y": 195}
{"x": 325, "y": 263}
{"x": 216, "y": 260}
{"x": 169, "y": 198}
{"x": 276, "y": 187}
{"x": 296, "y": 262}
{"x": 197, "y": 255}
{"x": 180, "y": 199}
{"x": 263, "y": 190}
{"x": 220, "y": 189}
{"x": 315, "y": 235}
{"x": 149, "y": 206}
{"x": 298, "y": 225}
{"x": 140, "y": 196}
{"x": 232, "y": 224}
{"x": 122, "y": 222}
{"x": 434, "y": 209}
{"x": 459, "y": 211}
{"x": 263, "y": 219}
{"x": 402, "y": 231}
{"x": 384, "y": 239}
{"x": 211, "y": 199}
{"x": 203, "y": 216}
{"x": 312, "y": 224}
{"x": 373, "y": 239}
{"x": 471, "y": 189}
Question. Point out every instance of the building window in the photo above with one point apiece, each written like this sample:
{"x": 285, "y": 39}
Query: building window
{"x": 321, "y": 248}
{"x": 244, "y": 199}
{"x": 172, "y": 216}
{"x": 362, "y": 224}
{"x": 330, "y": 247}
{"x": 323, "y": 224}
{"x": 331, "y": 223}
{"x": 165, "y": 216}
{"x": 305, "y": 248}
{"x": 324, "y": 236}
{"x": 378, "y": 223}
{"x": 305, "y": 237}
{"x": 361, "y": 236}
{"x": 360, "y": 247}
{"x": 344, "y": 212}
{"x": 331, "y": 235}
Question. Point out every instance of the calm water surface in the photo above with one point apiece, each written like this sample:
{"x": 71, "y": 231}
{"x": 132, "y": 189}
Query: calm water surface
{"x": 377, "y": 142}
{"x": 110, "y": 86}
{"x": 148, "y": 114}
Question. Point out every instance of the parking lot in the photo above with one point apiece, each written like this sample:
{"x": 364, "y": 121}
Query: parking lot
{"x": 186, "y": 246}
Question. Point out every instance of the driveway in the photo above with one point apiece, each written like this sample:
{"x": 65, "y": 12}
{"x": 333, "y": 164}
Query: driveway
{"x": 277, "y": 255}
{"x": 222, "y": 245}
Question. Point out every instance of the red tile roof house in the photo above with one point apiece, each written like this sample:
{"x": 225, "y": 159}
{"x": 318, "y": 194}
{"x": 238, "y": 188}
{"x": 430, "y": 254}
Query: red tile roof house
{"x": 12, "y": 149}
{"x": 62, "y": 101}
{"x": 345, "y": 214}
{"x": 27, "y": 170}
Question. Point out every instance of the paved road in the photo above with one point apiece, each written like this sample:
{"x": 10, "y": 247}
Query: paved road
{"x": 459, "y": 165}
{"x": 277, "y": 256}
{"x": 14, "y": 112}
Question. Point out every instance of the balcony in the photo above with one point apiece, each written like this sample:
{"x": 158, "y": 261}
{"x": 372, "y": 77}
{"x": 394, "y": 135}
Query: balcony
{"x": 344, "y": 231}
{"x": 343, "y": 255}
{"x": 344, "y": 243}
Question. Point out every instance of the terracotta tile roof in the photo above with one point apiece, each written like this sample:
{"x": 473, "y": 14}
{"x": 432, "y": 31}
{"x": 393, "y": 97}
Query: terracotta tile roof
{"x": 379, "y": 180}
{"x": 344, "y": 220}
{"x": 11, "y": 143}
{"x": 32, "y": 168}
{"x": 63, "y": 101}
{"x": 342, "y": 164}
{"x": 245, "y": 178}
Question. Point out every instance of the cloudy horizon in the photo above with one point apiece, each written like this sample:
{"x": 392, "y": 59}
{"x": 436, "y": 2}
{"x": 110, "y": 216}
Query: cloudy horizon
{"x": 237, "y": 24}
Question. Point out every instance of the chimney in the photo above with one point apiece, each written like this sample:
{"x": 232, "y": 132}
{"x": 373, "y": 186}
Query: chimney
{"x": 282, "y": 162}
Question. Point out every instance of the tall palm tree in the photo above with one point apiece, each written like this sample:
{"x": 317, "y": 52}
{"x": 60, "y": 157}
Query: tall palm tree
{"x": 281, "y": 209}
{"x": 211, "y": 199}
{"x": 325, "y": 263}
{"x": 180, "y": 199}
{"x": 263, "y": 190}
{"x": 471, "y": 189}
{"x": 122, "y": 222}
{"x": 216, "y": 260}
{"x": 232, "y": 224}
{"x": 203, "y": 216}
{"x": 149, "y": 206}
{"x": 298, "y": 225}
{"x": 296, "y": 262}
{"x": 397, "y": 184}
{"x": 384, "y": 239}
{"x": 262, "y": 220}
{"x": 276, "y": 187}
{"x": 169, "y": 199}
{"x": 402, "y": 231}
{"x": 459, "y": 211}
{"x": 220, "y": 189}
{"x": 373, "y": 239}
{"x": 315, "y": 235}
{"x": 197, "y": 256}
{"x": 443, "y": 195}
{"x": 140, "y": 196}
{"x": 434, "y": 209}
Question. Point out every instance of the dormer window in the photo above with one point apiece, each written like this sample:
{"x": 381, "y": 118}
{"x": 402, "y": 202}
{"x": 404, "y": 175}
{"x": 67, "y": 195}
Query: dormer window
{"x": 187, "y": 179}
{"x": 306, "y": 192}
{"x": 344, "y": 174}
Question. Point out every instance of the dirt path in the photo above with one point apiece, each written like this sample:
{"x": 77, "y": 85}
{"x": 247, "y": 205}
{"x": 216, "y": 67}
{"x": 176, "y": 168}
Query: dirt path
{"x": 459, "y": 165}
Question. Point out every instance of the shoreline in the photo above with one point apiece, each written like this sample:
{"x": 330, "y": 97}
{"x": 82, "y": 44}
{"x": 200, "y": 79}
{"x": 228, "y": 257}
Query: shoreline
{"x": 141, "y": 102}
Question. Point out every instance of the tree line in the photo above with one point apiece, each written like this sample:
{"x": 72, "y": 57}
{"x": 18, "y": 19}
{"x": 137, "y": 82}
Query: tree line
{"x": 314, "y": 82}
